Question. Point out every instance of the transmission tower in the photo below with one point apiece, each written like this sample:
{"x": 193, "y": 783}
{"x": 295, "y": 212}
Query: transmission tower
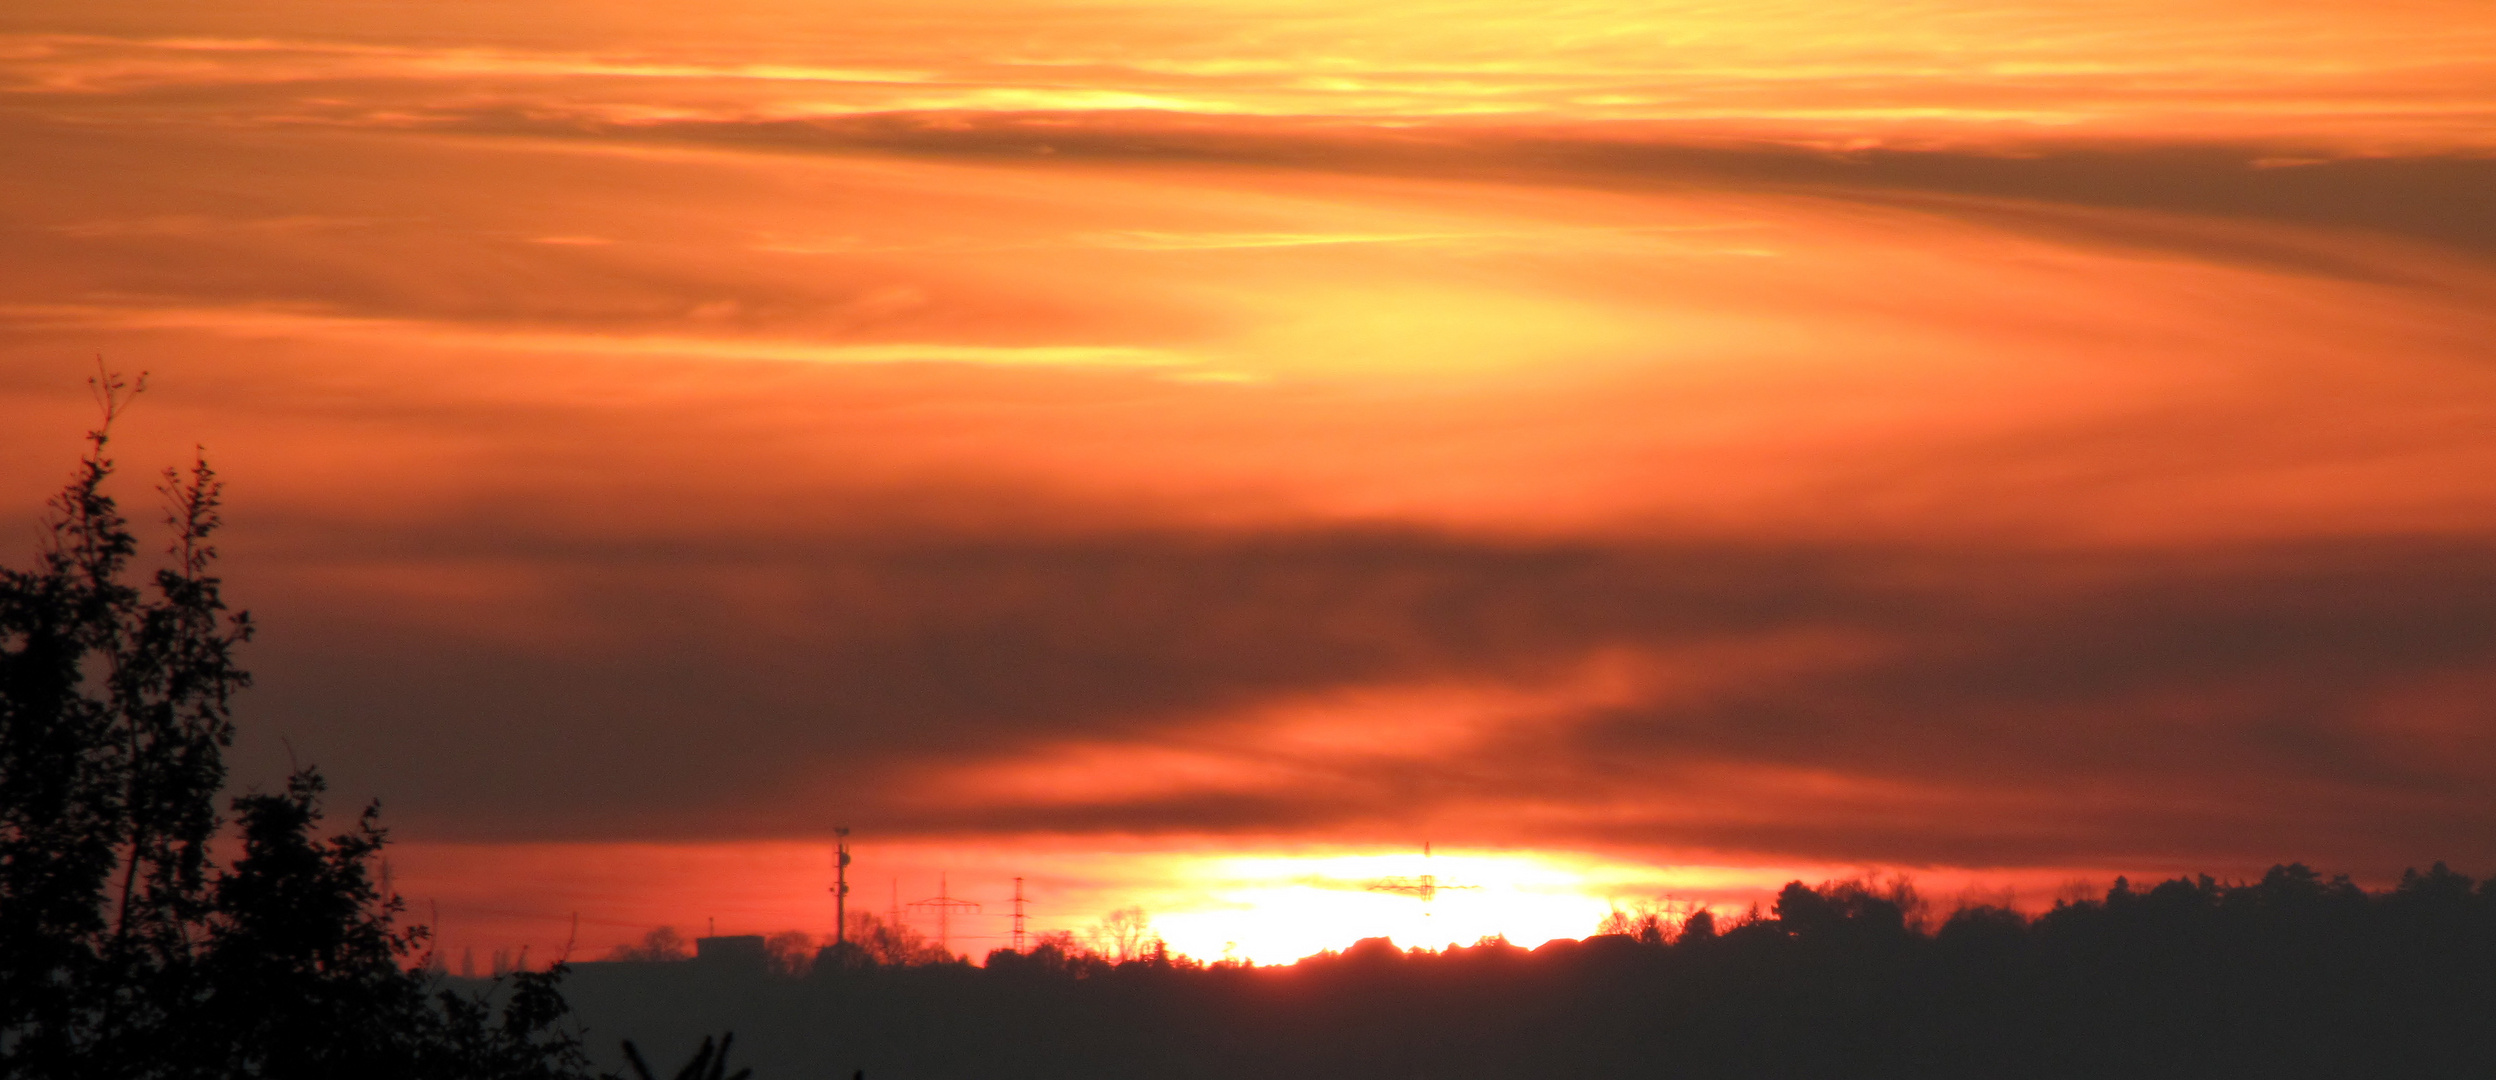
{"x": 1018, "y": 914}
{"x": 840, "y": 886}
{"x": 1426, "y": 886}
{"x": 944, "y": 903}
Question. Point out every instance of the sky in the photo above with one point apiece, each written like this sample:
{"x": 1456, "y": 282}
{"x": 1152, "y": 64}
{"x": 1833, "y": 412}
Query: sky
{"x": 1191, "y": 455}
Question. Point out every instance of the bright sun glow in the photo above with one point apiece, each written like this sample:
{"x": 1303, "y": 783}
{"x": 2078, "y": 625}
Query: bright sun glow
{"x": 1272, "y": 909}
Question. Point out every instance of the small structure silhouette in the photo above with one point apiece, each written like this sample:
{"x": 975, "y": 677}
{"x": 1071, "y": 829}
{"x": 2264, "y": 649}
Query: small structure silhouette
{"x": 743, "y": 953}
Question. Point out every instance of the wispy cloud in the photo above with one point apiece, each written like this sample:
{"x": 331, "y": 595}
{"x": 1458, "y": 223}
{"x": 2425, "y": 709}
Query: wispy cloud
{"x": 2416, "y": 74}
{"x": 248, "y": 322}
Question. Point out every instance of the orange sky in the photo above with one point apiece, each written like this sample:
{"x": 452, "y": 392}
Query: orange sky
{"x": 1190, "y": 454}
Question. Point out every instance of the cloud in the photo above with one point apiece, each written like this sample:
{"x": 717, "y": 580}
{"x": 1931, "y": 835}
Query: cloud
{"x": 2371, "y": 72}
{"x": 2431, "y": 197}
{"x": 2319, "y": 700}
{"x": 349, "y": 331}
{"x": 2383, "y": 131}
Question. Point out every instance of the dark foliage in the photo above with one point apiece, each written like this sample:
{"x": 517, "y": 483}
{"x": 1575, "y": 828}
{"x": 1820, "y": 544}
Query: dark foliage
{"x": 126, "y": 952}
{"x": 113, "y": 719}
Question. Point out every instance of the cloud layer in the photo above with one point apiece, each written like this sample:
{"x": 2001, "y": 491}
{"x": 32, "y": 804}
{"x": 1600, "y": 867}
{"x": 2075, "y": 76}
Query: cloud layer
{"x": 2006, "y": 437}
{"x": 1824, "y": 702}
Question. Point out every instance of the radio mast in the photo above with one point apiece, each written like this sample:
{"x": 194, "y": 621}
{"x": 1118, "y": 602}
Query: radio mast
{"x": 840, "y": 886}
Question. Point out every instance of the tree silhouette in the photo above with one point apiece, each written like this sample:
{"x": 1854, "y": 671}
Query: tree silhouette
{"x": 877, "y": 942}
{"x": 1124, "y": 936}
{"x": 790, "y": 952}
{"x": 114, "y": 716}
{"x": 125, "y": 951}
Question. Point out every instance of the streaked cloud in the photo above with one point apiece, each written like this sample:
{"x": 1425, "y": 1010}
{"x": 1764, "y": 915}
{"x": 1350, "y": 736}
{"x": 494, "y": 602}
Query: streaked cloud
{"x": 348, "y": 331}
{"x": 2414, "y": 72}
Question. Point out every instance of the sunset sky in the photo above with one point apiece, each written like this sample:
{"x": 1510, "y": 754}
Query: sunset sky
{"x": 1191, "y": 454}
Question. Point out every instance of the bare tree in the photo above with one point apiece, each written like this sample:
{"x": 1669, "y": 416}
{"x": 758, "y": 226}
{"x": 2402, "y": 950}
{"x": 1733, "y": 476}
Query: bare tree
{"x": 875, "y": 942}
{"x": 1124, "y": 936}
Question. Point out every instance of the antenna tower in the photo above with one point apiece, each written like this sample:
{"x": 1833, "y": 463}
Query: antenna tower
{"x": 944, "y": 903}
{"x": 1426, "y": 886}
{"x": 840, "y": 886}
{"x": 1018, "y": 914}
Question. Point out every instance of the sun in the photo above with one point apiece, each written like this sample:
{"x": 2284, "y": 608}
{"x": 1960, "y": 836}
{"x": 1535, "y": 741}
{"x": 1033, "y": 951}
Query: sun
{"x": 1276, "y": 908}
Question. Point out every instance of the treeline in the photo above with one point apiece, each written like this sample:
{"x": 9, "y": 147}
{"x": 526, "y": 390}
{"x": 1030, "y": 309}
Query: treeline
{"x": 2293, "y": 975}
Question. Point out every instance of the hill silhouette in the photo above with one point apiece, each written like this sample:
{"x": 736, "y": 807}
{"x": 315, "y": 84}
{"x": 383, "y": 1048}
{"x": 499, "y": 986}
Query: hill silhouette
{"x": 2292, "y": 975}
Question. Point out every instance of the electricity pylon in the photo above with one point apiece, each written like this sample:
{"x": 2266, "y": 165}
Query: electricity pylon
{"x": 1426, "y": 886}
{"x": 944, "y": 903}
{"x": 1018, "y": 914}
